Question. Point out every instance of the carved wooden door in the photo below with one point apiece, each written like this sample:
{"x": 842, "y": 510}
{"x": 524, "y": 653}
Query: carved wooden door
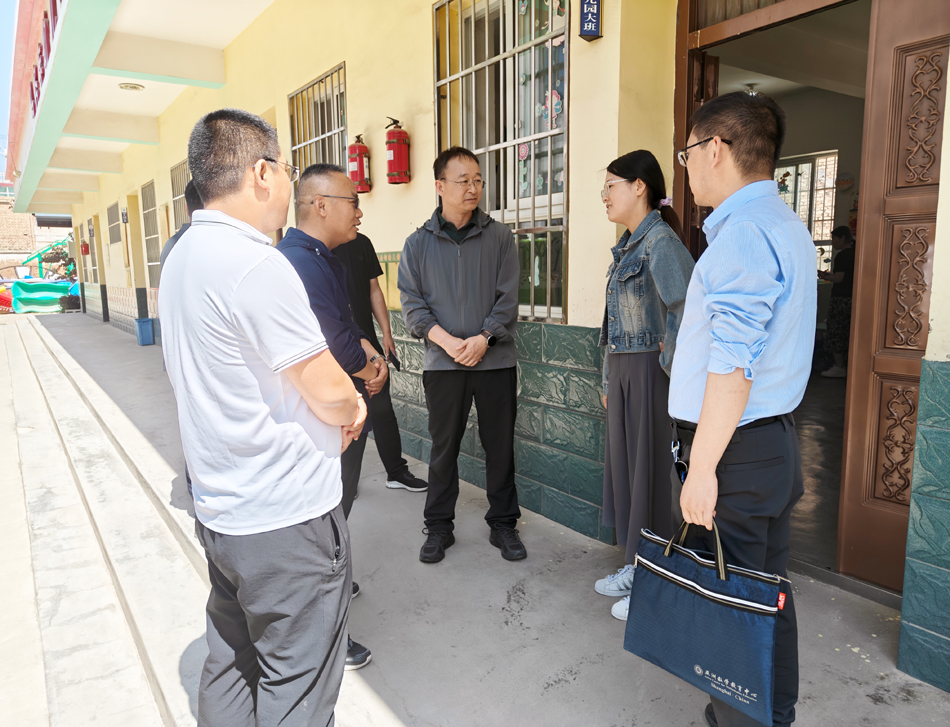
{"x": 704, "y": 86}
{"x": 903, "y": 128}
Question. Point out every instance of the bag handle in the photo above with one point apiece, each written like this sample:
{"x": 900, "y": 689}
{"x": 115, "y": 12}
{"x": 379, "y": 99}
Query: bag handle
{"x": 718, "y": 555}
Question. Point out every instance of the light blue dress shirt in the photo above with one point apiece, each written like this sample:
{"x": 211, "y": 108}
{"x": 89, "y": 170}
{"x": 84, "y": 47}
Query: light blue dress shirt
{"x": 751, "y": 305}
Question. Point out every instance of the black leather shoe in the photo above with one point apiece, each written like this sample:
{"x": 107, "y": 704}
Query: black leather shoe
{"x": 356, "y": 589}
{"x": 357, "y": 655}
{"x": 710, "y": 715}
{"x": 433, "y": 549}
{"x": 508, "y": 541}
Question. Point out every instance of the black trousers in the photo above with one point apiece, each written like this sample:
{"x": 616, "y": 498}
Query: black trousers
{"x": 386, "y": 432}
{"x": 351, "y": 464}
{"x": 760, "y": 480}
{"x": 449, "y": 396}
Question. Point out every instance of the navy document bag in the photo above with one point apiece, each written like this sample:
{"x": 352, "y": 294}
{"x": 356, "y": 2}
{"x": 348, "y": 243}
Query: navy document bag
{"x": 709, "y": 623}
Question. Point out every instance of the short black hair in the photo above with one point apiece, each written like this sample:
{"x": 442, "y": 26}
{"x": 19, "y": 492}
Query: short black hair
{"x": 753, "y": 123}
{"x": 223, "y": 146}
{"x": 843, "y": 232}
{"x": 316, "y": 172}
{"x": 453, "y": 152}
{"x": 192, "y": 198}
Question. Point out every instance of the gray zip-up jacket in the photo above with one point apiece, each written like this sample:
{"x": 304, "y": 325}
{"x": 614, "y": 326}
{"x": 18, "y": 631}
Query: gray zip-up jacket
{"x": 464, "y": 287}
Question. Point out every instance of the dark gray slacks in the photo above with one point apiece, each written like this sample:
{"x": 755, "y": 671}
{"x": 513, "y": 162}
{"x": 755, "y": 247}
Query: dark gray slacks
{"x": 760, "y": 481}
{"x": 276, "y": 619}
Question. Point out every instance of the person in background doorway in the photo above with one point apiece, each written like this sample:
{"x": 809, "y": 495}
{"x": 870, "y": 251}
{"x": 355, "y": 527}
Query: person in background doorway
{"x": 265, "y": 412}
{"x": 458, "y": 283}
{"x": 192, "y": 203}
{"x": 646, "y": 290}
{"x": 329, "y": 211}
{"x": 744, "y": 357}
{"x": 839, "y": 311}
{"x": 367, "y": 300}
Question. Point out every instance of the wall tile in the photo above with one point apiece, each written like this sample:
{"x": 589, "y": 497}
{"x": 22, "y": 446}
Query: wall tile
{"x": 528, "y": 341}
{"x": 575, "y": 514}
{"x": 411, "y": 444}
{"x": 529, "y": 493}
{"x": 934, "y": 406}
{"x": 468, "y": 439}
{"x": 928, "y": 531}
{"x": 584, "y": 392}
{"x": 528, "y": 423}
{"x": 416, "y": 420}
{"x": 426, "y": 450}
{"x": 398, "y": 325}
{"x": 575, "y": 433}
{"x": 932, "y": 462}
{"x": 479, "y": 449}
{"x": 566, "y": 472}
{"x": 545, "y": 384}
{"x": 571, "y": 346}
{"x": 412, "y": 357}
{"x": 607, "y": 535}
{"x": 925, "y": 595}
{"x": 471, "y": 470}
{"x": 925, "y": 656}
{"x": 406, "y": 386}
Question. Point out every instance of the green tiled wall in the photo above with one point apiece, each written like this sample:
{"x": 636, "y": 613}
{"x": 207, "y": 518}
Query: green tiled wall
{"x": 925, "y": 620}
{"x": 559, "y": 433}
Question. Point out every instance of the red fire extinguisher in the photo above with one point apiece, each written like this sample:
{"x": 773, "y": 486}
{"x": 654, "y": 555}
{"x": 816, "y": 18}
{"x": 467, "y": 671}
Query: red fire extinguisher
{"x": 358, "y": 157}
{"x": 397, "y": 153}
{"x": 84, "y": 248}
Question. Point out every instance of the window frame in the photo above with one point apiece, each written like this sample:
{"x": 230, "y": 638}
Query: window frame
{"x": 823, "y": 246}
{"x": 150, "y": 223}
{"x": 180, "y": 175}
{"x": 524, "y": 215}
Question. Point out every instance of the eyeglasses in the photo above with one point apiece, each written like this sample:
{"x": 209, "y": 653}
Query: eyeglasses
{"x": 605, "y": 192}
{"x": 354, "y": 200}
{"x": 292, "y": 171}
{"x": 465, "y": 183}
{"x": 683, "y": 154}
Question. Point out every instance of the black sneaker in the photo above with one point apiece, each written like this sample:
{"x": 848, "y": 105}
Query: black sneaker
{"x": 357, "y": 655}
{"x": 433, "y": 550}
{"x": 508, "y": 541}
{"x": 407, "y": 481}
{"x": 356, "y": 589}
{"x": 710, "y": 715}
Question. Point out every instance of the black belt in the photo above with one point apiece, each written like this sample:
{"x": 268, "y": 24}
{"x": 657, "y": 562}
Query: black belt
{"x": 690, "y": 427}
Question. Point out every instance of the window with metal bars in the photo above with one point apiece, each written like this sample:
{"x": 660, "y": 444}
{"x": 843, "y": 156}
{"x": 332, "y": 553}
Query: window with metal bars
{"x": 501, "y": 91}
{"x": 318, "y": 121}
{"x": 92, "y": 251}
{"x": 807, "y": 184}
{"x": 181, "y": 175}
{"x": 90, "y": 274}
{"x": 115, "y": 224}
{"x": 153, "y": 243}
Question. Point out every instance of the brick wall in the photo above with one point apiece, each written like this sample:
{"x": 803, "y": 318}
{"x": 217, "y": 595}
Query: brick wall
{"x": 559, "y": 432}
{"x": 17, "y": 231}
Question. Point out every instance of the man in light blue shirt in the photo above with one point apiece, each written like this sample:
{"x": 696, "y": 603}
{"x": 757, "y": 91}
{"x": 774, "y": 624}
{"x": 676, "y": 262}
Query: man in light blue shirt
{"x": 744, "y": 353}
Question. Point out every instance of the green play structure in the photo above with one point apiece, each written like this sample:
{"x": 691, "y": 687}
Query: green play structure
{"x": 38, "y": 295}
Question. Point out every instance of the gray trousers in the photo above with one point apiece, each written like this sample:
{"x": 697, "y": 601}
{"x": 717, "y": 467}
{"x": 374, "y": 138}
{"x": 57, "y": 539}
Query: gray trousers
{"x": 276, "y": 625}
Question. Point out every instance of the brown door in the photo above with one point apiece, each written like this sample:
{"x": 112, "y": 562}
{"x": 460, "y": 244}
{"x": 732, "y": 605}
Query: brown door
{"x": 903, "y": 127}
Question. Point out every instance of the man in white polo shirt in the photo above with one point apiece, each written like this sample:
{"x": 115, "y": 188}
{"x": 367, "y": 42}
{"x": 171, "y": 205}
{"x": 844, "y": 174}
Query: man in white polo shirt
{"x": 265, "y": 412}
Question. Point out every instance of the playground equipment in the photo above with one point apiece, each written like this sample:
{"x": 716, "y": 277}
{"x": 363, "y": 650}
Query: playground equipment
{"x": 42, "y": 294}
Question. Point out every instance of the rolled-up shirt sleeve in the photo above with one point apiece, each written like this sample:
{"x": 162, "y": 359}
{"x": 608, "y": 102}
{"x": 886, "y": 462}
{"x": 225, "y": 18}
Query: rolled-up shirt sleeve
{"x": 742, "y": 288}
{"x": 416, "y": 313}
{"x": 502, "y": 319}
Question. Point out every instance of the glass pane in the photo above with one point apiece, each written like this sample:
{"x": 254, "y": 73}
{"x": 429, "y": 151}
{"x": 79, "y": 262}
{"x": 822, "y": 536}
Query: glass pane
{"x": 541, "y": 167}
{"x": 468, "y": 112}
{"x": 557, "y": 268}
{"x": 441, "y": 42}
{"x": 481, "y": 30}
{"x": 524, "y": 281}
{"x": 453, "y": 48}
{"x": 523, "y": 19}
{"x": 524, "y": 171}
{"x": 483, "y": 112}
{"x": 525, "y": 102}
{"x": 455, "y": 113}
{"x": 559, "y": 8}
{"x": 542, "y": 113}
{"x": 558, "y": 164}
{"x": 494, "y": 28}
{"x": 443, "y": 120}
{"x": 468, "y": 30}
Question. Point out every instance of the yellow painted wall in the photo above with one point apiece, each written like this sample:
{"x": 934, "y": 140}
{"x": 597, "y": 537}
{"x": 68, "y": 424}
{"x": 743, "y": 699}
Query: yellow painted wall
{"x": 938, "y": 344}
{"x": 621, "y": 98}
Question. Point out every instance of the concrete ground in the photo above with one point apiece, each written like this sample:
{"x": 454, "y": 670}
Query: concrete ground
{"x": 473, "y": 640}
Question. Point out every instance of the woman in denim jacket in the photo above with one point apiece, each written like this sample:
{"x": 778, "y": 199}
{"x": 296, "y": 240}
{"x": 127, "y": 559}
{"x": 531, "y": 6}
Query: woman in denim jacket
{"x": 646, "y": 291}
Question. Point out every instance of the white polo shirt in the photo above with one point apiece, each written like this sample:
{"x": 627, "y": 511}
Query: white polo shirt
{"x": 234, "y": 316}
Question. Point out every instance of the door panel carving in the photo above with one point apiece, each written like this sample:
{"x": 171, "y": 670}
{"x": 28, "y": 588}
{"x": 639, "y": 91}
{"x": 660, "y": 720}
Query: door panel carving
{"x": 909, "y": 287}
{"x": 923, "y": 68}
{"x": 897, "y": 426}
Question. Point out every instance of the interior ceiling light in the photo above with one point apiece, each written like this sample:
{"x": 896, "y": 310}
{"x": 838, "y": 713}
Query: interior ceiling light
{"x": 131, "y": 86}
{"x": 750, "y": 88}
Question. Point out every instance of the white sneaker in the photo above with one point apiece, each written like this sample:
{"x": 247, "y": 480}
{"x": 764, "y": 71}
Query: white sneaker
{"x": 616, "y": 584}
{"x": 835, "y": 372}
{"x": 620, "y": 608}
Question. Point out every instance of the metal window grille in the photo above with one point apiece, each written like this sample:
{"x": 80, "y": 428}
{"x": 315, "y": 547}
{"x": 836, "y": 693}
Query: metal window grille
{"x": 153, "y": 244}
{"x": 89, "y": 271}
{"x": 318, "y": 121}
{"x": 181, "y": 175}
{"x": 500, "y": 72}
{"x": 807, "y": 184}
{"x": 115, "y": 224}
{"x": 92, "y": 252}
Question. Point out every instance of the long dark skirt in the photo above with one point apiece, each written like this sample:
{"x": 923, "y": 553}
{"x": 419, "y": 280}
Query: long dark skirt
{"x": 637, "y": 488}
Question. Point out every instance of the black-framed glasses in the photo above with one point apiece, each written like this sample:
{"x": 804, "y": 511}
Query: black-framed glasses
{"x": 292, "y": 171}
{"x": 465, "y": 183}
{"x": 683, "y": 154}
{"x": 354, "y": 200}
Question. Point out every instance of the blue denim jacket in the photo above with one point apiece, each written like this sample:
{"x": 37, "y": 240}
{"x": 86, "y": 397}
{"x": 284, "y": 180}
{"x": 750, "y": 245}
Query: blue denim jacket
{"x": 646, "y": 292}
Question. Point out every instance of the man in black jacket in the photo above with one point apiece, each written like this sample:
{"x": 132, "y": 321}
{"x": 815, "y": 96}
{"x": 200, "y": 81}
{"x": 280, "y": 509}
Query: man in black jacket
{"x": 458, "y": 280}
{"x": 367, "y": 300}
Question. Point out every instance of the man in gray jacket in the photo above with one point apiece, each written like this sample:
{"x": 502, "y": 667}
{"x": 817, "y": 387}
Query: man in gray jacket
{"x": 458, "y": 280}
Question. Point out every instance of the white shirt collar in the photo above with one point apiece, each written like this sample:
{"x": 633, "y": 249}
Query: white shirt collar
{"x": 216, "y": 217}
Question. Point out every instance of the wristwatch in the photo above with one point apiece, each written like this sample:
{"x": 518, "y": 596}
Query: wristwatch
{"x": 490, "y": 338}
{"x": 375, "y": 357}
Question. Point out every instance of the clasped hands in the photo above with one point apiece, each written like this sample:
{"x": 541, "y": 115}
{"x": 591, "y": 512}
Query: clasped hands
{"x": 467, "y": 352}
{"x": 374, "y": 386}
